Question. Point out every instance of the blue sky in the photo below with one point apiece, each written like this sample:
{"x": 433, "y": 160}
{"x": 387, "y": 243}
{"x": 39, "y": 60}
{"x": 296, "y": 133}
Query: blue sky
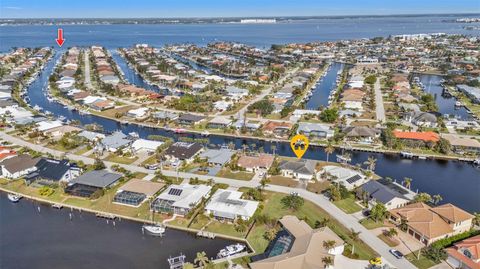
{"x": 226, "y": 8}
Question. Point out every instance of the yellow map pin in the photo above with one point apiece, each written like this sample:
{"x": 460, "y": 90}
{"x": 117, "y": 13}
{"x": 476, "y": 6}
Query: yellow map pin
{"x": 299, "y": 144}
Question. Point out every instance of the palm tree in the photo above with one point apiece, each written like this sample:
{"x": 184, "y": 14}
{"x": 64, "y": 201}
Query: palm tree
{"x": 391, "y": 232}
{"x": 371, "y": 162}
{"x": 408, "y": 182}
{"x": 476, "y": 219}
{"x": 327, "y": 261}
{"x": 437, "y": 198}
{"x": 328, "y": 244}
{"x": 329, "y": 150}
{"x": 274, "y": 148}
{"x": 322, "y": 223}
{"x": 201, "y": 259}
{"x": 355, "y": 236}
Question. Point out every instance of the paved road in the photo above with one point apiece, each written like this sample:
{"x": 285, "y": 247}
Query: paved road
{"x": 379, "y": 108}
{"x": 348, "y": 221}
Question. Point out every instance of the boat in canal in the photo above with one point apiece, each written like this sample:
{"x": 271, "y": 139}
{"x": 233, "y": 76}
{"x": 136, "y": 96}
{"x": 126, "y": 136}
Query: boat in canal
{"x": 231, "y": 250}
{"x": 14, "y": 198}
{"x": 155, "y": 230}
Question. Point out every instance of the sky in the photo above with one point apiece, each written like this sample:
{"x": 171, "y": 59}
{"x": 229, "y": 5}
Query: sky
{"x": 226, "y": 8}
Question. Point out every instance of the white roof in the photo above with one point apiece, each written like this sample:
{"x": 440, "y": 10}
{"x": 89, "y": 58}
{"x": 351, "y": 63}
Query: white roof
{"x": 185, "y": 195}
{"x": 92, "y": 99}
{"x": 47, "y": 125}
{"x": 342, "y": 174}
{"x": 139, "y": 111}
{"x": 229, "y": 203}
{"x": 145, "y": 144}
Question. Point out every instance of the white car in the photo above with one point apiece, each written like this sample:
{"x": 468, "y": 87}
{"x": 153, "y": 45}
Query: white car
{"x": 396, "y": 253}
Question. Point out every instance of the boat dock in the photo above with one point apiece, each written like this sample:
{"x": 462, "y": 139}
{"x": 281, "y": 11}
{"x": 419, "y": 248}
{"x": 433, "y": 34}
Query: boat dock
{"x": 206, "y": 234}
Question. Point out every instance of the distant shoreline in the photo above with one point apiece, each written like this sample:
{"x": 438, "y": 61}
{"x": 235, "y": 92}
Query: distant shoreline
{"x": 202, "y": 20}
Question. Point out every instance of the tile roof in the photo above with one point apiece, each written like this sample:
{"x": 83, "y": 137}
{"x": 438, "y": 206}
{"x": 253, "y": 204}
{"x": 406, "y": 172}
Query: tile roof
{"x": 473, "y": 246}
{"x": 424, "y": 136}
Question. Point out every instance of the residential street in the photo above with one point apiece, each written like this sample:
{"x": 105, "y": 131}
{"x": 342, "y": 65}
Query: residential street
{"x": 379, "y": 108}
{"x": 347, "y": 220}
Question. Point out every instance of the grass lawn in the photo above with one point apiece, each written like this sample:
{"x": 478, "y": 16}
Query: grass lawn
{"x": 224, "y": 228}
{"x": 139, "y": 175}
{"x": 389, "y": 241}
{"x": 150, "y": 160}
{"x": 111, "y": 112}
{"x": 318, "y": 186}
{"x": 82, "y": 150}
{"x": 422, "y": 263}
{"x": 283, "y": 181}
{"x": 348, "y": 205}
{"x": 256, "y": 240}
{"x": 240, "y": 175}
{"x": 371, "y": 224}
{"x": 120, "y": 159}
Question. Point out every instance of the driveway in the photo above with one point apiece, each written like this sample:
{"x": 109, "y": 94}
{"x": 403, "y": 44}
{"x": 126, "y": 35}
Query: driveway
{"x": 379, "y": 108}
{"x": 407, "y": 243}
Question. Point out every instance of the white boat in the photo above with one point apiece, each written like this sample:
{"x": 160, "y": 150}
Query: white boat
{"x": 134, "y": 134}
{"x": 57, "y": 206}
{"x": 205, "y": 133}
{"x": 37, "y": 108}
{"x": 458, "y": 104}
{"x": 477, "y": 162}
{"x": 14, "y": 198}
{"x": 406, "y": 154}
{"x": 231, "y": 250}
{"x": 155, "y": 230}
{"x": 343, "y": 159}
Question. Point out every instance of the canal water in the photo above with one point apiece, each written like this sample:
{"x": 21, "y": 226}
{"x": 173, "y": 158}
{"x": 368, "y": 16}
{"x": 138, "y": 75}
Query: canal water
{"x": 323, "y": 88}
{"x": 456, "y": 182}
{"x": 49, "y": 239}
{"x": 446, "y": 104}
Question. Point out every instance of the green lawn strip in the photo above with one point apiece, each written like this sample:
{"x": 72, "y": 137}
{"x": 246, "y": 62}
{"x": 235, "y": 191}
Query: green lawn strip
{"x": 389, "y": 241}
{"x": 348, "y": 205}
{"x": 422, "y": 263}
{"x": 239, "y": 175}
{"x": 120, "y": 159}
{"x": 371, "y": 224}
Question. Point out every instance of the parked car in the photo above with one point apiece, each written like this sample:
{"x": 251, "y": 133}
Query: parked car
{"x": 396, "y": 253}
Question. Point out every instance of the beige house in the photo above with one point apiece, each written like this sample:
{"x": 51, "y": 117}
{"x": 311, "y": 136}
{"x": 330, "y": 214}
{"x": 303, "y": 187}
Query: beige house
{"x": 427, "y": 224}
{"x": 307, "y": 250}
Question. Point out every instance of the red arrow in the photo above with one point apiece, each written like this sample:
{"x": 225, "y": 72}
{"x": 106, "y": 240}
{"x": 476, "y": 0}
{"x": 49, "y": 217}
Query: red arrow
{"x": 60, "y": 39}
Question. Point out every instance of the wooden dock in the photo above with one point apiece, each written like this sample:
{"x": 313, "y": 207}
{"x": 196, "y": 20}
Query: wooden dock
{"x": 206, "y": 234}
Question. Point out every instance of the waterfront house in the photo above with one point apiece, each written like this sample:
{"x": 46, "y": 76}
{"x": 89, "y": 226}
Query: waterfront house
{"x": 465, "y": 254}
{"x": 219, "y": 123}
{"x": 50, "y": 171}
{"x": 419, "y": 118}
{"x": 46, "y": 125}
{"x": 165, "y": 115}
{"x": 222, "y": 105}
{"x": 149, "y": 146}
{"x": 60, "y": 131}
{"x": 228, "y": 205}
{"x": 6, "y": 153}
{"x": 417, "y": 138}
{"x": 116, "y": 141}
{"x": 182, "y": 151}
{"x": 278, "y": 129}
{"x": 315, "y": 130}
{"x": 236, "y": 93}
{"x": 217, "y": 157}
{"x": 189, "y": 119}
{"x": 180, "y": 199}
{"x": 347, "y": 177}
{"x": 361, "y": 134}
{"x": 88, "y": 183}
{"x": 249, "y": 126}
{"x": 462, "y": 144}
{"x": 140, "y": 113}
{"x": 377, "y": 192}
{"x": 254, "y": 163}
{"x": 136, "y": 191}
{"x": 298, "y": 169}
{"x": 91, "y": 136}
{"x": 102, "y": 104}
{"x": 18, "y": 166}
{"x": 429, "y": 224}
{"x": 471, "y": 92}
{"x": 299, "y": 246}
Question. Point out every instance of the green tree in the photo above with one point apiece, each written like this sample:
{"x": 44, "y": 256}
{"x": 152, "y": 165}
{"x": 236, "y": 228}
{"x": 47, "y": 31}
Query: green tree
{"x": 270, "y": 234}
{"x": 202, "y": 259}
{"x": 327, "y": 261}
{"x": 98, "y": 164}
{"x": 329, "y": 115}
{"x": 437, "y": 198}
{"x": 392, "y": 232}
{"x": 408, "y": 182}
{"x": 371, "y": 162}
{"x": 328, "y": 244}
{"x": 371, "y": 79}
{"x": 443, "y": 146}
{"x": 378, "y": 212}
{"x": 292, "y": 202}
{"x": 329, "y": 149}
{"x": 188, "y": 265}
{"x": 423, "y": 197}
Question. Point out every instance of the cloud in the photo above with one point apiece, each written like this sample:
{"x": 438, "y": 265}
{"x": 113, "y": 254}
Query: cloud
{"x": 14, "y": 8}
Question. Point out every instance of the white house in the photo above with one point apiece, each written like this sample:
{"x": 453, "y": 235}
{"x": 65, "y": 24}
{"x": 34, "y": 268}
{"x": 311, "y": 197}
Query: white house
{"x": 228, "y": 205}
{"x": 145, "y": 145}
{"x": 18, "y": 166}
{"x": 139, "y": 113}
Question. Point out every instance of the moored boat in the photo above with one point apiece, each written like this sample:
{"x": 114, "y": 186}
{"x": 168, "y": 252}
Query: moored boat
{"x": 231, "y": 250}
{"x": 155, "y": 230}
{"x": 14, "y": 198}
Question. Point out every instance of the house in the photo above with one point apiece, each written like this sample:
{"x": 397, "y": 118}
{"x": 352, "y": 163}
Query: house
{"x": 180, "y": 199}
{"x": 140, "y": 113}
{"x": 423, "y": 119}
{"x": 228, "y": 205}
{"x": 92, "y": 181}
{"x": 236, "y": 93}
{"x": 378, "y": 192}
{"x": 347, "y": 177}
{"x": 465, "y": 254}
{"x": 261, "y": 161}
{"x": 136, "y": 191}
{"x": 222, "y": 105}
{"x": 150, "y": 146}
{"x": 361, "y": 134}
{"x": 48, "y": 124}
{"x": 50, "y": 171}
{"x": 218, "y": 157}
{"x": 116, "y": 141}
{"x": 165, "y": 115}
{"x": 417, "y": 138}
{"x": 6, "y": 153}
{"x": 279, "y": 129}
{"x": 298, "y": 169}
{"x": 18, "y": 166}
{"x": 219, "y": 123}
{"x": 315, "y": 130}
{"x": 429, "y": 224}
{"x": 60, "y": 131}
{"x": 462, "y": 144}
{"x": 472, "y": 92}
{"x": 301, "y": 247}
{"x": 183, "y": 151}
{"x": 189, "y": 119}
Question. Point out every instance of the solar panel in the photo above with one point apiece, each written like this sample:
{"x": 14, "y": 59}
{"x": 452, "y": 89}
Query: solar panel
{"x": 353, "y": 179}
{"x": 175, "y": 192}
